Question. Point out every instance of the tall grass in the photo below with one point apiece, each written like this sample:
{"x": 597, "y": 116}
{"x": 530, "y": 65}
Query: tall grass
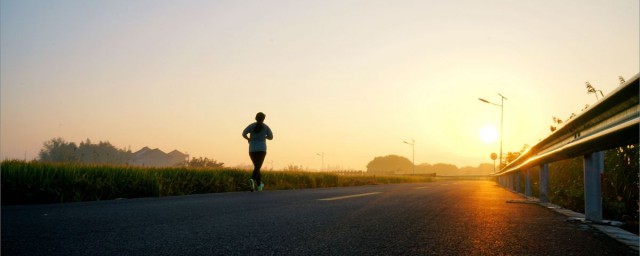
{"x": 36, "y": 182}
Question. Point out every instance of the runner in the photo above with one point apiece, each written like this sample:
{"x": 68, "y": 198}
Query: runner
{"x": 259, "y": 133}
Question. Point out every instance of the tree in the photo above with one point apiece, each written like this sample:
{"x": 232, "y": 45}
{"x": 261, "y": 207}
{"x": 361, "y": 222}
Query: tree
{"x": 511, "y": 156}
{"x": 390, "y": 164}
{"x": 446, "y": 169}
{"x": 394, "y": 164}
{"x": 103, "y": 152}
{"x": 58, "y": 150}
{"x": 424, "y": 168}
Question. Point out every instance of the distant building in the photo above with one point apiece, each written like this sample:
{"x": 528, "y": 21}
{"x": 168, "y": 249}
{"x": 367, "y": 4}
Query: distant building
{"x": 157, "y": 158}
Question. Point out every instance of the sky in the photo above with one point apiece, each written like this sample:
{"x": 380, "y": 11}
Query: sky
{"x": 348, "y": 79}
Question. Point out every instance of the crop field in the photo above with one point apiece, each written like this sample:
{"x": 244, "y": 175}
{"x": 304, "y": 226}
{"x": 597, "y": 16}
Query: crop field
{"x": 36, "y": 182}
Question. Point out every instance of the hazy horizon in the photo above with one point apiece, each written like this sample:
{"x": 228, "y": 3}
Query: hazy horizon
{"x": 350, "y": 79}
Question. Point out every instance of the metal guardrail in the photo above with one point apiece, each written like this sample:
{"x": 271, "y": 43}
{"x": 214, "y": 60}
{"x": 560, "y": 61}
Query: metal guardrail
{"x": 611, "y": 122}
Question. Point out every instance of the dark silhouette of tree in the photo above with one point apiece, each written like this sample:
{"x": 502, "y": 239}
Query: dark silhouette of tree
{"x": 103, "y": 152}
{"x": 445, "y": 169}
{"x": 58, "y": 150}
{"x": 390, "y": 164}
{"x": 424, "y": 168}
{"x": 400, "y": 165}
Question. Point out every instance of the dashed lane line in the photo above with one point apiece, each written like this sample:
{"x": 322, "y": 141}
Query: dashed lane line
{"x": 349, "y": 196}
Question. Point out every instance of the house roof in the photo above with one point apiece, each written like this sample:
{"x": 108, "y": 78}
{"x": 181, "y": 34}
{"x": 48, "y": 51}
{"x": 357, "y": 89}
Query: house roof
{"x": 141, "y": 151}
{"x": 146, "y": 151}
{"x": 176, "y": 153}
{"x": 156, "y": 157}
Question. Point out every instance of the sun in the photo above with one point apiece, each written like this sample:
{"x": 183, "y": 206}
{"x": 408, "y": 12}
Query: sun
{"x": 488, "y": 134}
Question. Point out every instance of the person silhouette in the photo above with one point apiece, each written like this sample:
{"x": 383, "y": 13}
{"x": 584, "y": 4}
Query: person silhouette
{"x": 259, "y": 134}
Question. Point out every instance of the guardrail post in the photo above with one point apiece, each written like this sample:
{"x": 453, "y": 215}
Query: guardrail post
{"x": 517, "y": 177}
{"x": 512, "y": 182}
{"x": 527, "y": 182}
{"x": 508, "y": 181}
{"x": 593, "y": 167}
{"x": 544, "y": 183}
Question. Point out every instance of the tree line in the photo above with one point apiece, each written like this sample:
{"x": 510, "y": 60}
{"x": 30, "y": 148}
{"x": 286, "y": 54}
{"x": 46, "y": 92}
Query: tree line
{"x": 58, "y": 150}
{"x": 394, "y": 164}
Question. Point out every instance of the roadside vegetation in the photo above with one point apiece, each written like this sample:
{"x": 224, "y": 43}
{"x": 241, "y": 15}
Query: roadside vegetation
{"x": 619, "y": 185}
{"x": 38, "y": 182}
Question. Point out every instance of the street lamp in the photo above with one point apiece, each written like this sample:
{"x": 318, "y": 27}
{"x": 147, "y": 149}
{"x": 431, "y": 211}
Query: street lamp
{"x": 413, "y": 150}
{"x": 501, "y": 105}
{"x": 321, "y": 155}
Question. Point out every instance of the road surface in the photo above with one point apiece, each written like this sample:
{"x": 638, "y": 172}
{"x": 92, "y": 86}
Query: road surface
{"x": 439, "y": 218}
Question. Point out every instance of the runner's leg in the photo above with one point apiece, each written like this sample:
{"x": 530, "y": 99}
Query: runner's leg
{"x": 258, "y": 159}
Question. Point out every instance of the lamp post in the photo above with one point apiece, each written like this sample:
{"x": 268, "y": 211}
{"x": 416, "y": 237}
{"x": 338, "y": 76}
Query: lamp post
{"x": 501, "y": 105}
{"x": 322, "y": 156}
{"x": 413, "y": 152}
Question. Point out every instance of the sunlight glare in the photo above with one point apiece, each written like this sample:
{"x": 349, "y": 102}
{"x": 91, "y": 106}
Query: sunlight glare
{"x": 488, "y": 134}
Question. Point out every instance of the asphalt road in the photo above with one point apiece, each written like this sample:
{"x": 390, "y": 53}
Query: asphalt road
{"x": 440, "y": 218}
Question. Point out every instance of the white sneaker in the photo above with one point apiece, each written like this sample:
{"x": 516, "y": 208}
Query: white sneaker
{"x": 252, "y": 184}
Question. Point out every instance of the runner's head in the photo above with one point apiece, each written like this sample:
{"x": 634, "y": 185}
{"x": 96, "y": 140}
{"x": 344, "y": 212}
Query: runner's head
{"x": 260, "y": 117}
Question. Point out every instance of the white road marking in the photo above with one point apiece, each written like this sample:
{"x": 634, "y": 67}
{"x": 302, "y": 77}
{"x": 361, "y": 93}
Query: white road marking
{"x": 421, "y": 187}
{"x": 349, "y": 196}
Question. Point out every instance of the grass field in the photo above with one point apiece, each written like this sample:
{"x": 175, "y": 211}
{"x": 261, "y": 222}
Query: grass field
{"x": 35, "y": 182}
